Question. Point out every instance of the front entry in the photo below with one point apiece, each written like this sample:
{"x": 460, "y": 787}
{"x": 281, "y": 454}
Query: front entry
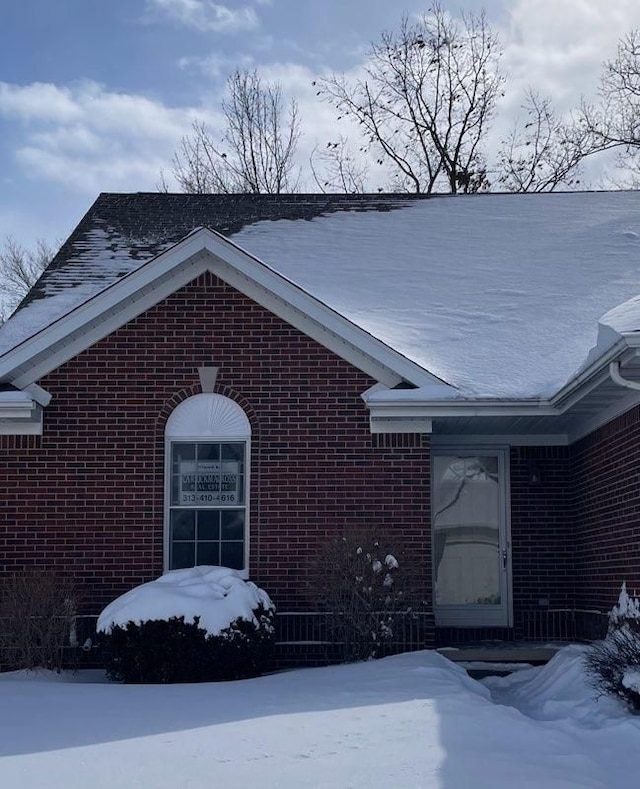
{"x": 471, "y": 538}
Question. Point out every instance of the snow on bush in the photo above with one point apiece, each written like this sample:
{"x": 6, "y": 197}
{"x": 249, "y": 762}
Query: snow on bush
{"x": 216, "y": 595}
{"x": 358, "y": 581}
{"x": 198, "y": 624}
{"x": 613, "y": 665}
{"x": 626, "y": 612}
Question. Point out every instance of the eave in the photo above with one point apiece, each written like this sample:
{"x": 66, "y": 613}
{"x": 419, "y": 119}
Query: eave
{"x": 587, "y": 401}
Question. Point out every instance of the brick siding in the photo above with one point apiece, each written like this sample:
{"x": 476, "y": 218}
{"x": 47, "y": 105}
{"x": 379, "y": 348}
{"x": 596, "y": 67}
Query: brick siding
{"x": 606, "y": 484}
{"x": 541, "y": 530}
{"x": 87, "y": 496}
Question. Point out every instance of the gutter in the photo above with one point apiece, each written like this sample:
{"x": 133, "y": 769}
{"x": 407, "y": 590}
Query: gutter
{"x": 614, "y": 372}
{"x": 409, "y": 404}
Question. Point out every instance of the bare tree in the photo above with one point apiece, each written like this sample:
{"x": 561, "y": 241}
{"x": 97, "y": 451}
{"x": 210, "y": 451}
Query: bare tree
{"x": 19, "y": 270}
{"x": 613, "y": 122}
{"x": 426, "y": 100}
{"x": 337, "y": 169}
{"x": 256, "y": 151}
{"x": 544, "y": 152}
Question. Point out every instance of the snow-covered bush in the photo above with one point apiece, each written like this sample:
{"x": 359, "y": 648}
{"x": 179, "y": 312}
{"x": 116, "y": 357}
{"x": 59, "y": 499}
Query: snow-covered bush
{"x": 613, "y": 665}
{"x": 37, "y": 613}
{"x": 201, "y": 624}
{"x": 365, "y": 588}
{"x": 626, "y": 612}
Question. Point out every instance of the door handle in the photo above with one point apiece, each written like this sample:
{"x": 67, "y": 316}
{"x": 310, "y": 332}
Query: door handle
{"x": 504, "y": 559}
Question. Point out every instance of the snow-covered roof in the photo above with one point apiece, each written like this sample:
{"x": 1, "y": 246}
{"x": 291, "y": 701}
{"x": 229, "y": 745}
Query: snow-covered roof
{"x": 499, "y": 295}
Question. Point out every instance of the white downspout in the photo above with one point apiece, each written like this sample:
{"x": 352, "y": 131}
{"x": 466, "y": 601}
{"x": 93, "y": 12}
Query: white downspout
{"x": 614, "y": 372}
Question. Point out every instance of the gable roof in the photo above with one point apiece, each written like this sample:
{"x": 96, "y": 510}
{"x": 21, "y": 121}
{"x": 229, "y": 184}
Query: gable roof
{"x": 499, "y": 295}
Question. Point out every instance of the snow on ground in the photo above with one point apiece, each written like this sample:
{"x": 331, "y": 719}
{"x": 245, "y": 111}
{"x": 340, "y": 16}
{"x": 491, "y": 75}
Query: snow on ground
{"x": 414, "y": 720}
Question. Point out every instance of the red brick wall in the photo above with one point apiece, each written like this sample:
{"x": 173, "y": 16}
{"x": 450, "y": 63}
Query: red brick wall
{"x": 606, "y": 485}
{"x": 88, "y": 495}
{"x": 541, "y": 528}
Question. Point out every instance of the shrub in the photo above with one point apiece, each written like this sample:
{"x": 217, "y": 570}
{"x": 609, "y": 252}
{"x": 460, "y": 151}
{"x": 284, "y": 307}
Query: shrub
{"x": 197, "y": 625}
{"x": 613, "y": 664}
{"x": 359, "y": 579}
{"x": 37, "y": 616}
{"x": 172, "y": 650}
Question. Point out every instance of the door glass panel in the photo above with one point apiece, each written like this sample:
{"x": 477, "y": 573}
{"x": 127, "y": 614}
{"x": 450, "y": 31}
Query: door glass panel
{"x": 466, "y": 533}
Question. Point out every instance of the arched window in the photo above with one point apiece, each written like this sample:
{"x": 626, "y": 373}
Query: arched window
{"x": 207, "y": 486}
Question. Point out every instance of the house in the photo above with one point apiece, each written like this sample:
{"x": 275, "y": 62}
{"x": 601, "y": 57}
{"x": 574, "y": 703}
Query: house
{"x": 208, "y": 379}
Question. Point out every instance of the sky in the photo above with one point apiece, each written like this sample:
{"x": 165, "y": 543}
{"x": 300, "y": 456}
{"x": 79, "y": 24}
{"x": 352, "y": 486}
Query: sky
{"x": 95, "y": 96}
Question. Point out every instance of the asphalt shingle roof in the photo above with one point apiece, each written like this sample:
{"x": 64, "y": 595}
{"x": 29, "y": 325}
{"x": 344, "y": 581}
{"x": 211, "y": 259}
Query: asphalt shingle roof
{"x": 128, "y": 229}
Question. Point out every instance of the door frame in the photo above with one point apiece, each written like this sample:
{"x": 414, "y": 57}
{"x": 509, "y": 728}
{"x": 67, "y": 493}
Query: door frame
{"x": 477, "y": 616}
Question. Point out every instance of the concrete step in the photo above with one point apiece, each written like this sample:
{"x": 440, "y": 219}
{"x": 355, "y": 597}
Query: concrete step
{"x": 535, "y": 654}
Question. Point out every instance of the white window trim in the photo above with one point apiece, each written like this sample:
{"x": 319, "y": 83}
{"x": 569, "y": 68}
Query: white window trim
{"x": 207, "y": 418}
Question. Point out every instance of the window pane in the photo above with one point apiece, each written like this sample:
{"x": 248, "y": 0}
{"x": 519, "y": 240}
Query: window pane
{"x": 232, "y": 555}
{"x": 182, "y": 555}
{"x": 183, "y": 452}
{"x": 208, "y": 451}
{"x": 233, "y": 452}
{"x": 232, "y": 474}
{"x": 208, "y": 524}
{"x": 182, "y": 525}
{"x": 182, "y": 462}
{"x": 232, "y": 524}
{"x": 209, "y": 553}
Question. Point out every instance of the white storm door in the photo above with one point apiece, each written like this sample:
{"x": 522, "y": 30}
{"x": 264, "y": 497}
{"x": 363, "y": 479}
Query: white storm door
{"x": 471, "y": 538}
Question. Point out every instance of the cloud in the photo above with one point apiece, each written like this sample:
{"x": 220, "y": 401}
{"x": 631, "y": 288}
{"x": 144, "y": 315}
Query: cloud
{"x": 559, "y": 47}
{"x": 38, "y": 101}
{"x": 216, "y": 65}
{"x": 92, "y": 139}
{"x": 206, "y": 16}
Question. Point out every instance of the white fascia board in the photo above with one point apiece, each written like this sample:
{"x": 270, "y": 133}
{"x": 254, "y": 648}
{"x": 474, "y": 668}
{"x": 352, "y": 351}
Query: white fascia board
{"x": 632, "y": 339}
{"x": 559, "y": 404}
{"x": 17, "y": 409}
{"x": 204, "y": 250}
{"x": 456, "y": 408}
{"x": 403, "y": 403}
